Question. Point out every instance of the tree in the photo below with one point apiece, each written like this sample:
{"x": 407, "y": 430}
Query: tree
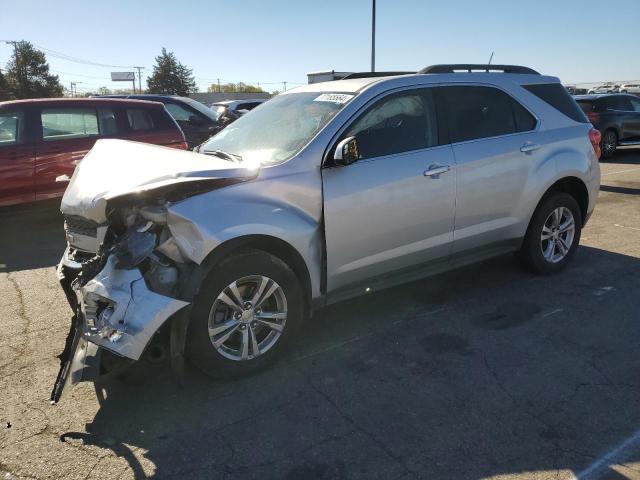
{"x": 4, "y": 88}
{"x": 234, "y": 87}
{"x": 28, "y": 74}
{"x": 170, "y": 76}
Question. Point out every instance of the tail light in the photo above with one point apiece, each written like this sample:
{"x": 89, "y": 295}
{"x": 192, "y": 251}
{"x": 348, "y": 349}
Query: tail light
{"x": 594, "y": 137}
{"x": 180, "y": 145}
{"x": 594, "y": 117}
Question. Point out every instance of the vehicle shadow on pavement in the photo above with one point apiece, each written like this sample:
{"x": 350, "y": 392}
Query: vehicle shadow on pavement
{"x": 624, "y": 156}
{"x": 32, "y": 236}
{"x": 483, "y": 371}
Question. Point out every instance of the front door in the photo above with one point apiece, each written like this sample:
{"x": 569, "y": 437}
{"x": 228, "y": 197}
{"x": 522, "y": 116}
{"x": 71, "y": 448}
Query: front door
{"x": 390, "y": 211}
{"x": 17, "y": 157}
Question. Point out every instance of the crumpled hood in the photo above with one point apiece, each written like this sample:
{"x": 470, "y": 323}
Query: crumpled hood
{"x": 114, "y": 168}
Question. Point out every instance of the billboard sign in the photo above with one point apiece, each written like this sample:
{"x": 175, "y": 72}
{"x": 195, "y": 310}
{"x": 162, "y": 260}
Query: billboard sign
{"x": 123, "y": 76}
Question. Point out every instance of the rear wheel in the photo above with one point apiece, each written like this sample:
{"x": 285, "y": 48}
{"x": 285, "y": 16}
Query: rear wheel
{"x": 247, "y": 310}
{"x": 609, "y": 143}
{"x": 553, "y": 234}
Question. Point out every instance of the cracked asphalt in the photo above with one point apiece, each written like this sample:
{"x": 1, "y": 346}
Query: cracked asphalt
{"x": 483, "y": 372}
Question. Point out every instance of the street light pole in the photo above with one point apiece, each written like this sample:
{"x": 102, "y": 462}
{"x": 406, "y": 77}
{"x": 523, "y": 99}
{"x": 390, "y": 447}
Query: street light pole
{"x": 373, "y": 36}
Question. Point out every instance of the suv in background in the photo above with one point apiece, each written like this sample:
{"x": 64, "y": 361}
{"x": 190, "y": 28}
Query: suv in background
{"x": 617, "y": 117}
{"x": 41, "y": 141}
{"x": 604, "y": 89}
{"x": 630, "y": 88}
{"x": 325, "y": 192}
{"x": 197, "y": 121}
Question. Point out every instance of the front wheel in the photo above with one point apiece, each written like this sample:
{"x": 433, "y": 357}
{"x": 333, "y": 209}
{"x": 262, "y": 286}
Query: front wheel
{"x": 247, "y": 310}
{"x": 609, "y": 143}
{"x": 553, "y": 234}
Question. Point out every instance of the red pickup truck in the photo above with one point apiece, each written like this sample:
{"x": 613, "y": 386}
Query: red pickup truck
{"x": 41, "y": 141}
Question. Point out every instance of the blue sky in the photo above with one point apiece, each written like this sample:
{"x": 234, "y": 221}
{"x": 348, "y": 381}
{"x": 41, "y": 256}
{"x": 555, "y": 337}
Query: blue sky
{"x": 281, "y": 40}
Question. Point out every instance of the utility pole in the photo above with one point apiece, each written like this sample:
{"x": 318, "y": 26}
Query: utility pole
{"x": 139, "y": 79}
{"x": 284, "y": 86}
{"x": 19, "y": 67}
{"x": 72, "y": 85}
{"x": 219, "y": 90}
{"x": 373, "y": 36}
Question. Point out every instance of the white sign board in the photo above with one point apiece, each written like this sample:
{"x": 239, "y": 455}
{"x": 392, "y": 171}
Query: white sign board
{"x": 123, "y": 76}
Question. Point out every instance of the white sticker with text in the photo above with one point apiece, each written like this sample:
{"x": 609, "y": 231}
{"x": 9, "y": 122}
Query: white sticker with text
{"x": 334, "y": 97}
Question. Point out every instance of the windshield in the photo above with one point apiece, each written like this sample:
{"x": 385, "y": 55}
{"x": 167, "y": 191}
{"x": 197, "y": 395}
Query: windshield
{"x": 278, "y": 129}
{"x": 202, "y": 108}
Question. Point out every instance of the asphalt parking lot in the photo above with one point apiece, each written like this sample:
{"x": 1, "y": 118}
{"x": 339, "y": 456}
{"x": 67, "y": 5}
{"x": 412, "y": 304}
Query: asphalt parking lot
{"x": 484, "y": 372}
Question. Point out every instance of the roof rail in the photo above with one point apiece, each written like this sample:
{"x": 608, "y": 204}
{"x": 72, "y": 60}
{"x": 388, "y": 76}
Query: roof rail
{"x": 374, "y": 74}
{"x": 470, "y": 67}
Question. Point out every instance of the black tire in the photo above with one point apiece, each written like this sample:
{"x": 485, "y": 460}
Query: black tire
{"x": 531, "y": 253}
{"x": 200, "y": 350}
{"x": 609, "y": 143}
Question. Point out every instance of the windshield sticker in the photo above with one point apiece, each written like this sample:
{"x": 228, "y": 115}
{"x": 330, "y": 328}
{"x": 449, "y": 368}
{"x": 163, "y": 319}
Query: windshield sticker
{"x": 333, "y": 97}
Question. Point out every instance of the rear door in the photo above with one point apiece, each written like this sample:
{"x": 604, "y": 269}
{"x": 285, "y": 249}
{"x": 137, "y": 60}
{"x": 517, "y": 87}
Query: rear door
{"x": 389, "y": 212}
{"x": 17, "y": 158}
{"x": 66, "y": 135}
{"x": 495, "y": 144}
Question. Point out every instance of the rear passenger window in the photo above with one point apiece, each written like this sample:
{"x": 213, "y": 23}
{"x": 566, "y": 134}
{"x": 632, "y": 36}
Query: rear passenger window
{"x": 524, "y": 120}
{"x": 107, "y": 122}
{"x": 398, "y": 123}
{"x": 11, "y": 128}
{"x": 555, "y": 95}
{"x": 479, "y": 112}
{"x": 62, "y": 124}
{"x": 139, "y": 119}
{"x": 621, "y": 104}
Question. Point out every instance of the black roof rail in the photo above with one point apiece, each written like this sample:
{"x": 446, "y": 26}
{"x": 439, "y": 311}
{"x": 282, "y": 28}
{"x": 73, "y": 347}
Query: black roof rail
{"x": 375, "y": 74}
{"x": 470, "y": 67}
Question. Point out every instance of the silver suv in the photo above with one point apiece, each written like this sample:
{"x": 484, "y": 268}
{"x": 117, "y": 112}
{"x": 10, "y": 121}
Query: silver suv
{"x": 325, "y": 192}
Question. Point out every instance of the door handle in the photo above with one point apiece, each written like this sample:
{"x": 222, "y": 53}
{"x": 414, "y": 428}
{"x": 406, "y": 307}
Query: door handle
{"x": 529, "y": 147}
{"x": 63, "y": 178}
{"x": 436, "y": 169}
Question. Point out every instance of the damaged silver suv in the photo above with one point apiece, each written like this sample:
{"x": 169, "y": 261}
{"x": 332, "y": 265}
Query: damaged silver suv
{"x": 322, "y": 193}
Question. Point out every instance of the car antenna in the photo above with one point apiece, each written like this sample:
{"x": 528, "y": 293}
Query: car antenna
{"x": 490, "y": 58}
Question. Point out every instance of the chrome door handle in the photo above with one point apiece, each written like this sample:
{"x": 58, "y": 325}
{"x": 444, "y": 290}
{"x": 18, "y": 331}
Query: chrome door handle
{"x": 436, "y": 169}
{"x": 529, "y": 147}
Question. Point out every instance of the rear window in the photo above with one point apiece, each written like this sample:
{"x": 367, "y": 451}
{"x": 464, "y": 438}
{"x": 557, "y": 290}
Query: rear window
{"x": 139, "y": 119}
{"x": 557, "y": 96}
{"x": 150, "y": 119}
{"x": 11, "y": 127}
{"x": 586, "y": 105}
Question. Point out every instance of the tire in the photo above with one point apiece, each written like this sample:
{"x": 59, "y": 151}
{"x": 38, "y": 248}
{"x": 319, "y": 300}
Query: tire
{"x": 623, "y": 91}
{"x": 609, "y": 143}
{"x": 540, "y": 256}
{"x": 245, "y": 326}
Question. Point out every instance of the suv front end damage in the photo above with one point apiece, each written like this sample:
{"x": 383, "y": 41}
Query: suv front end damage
{"x": 123, "y": 271}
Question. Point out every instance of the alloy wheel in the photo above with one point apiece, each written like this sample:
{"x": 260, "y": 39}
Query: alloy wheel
{"x": 247, "y": 318}
{"x": 609, "y": 141}
{"x": 558, "y": 233}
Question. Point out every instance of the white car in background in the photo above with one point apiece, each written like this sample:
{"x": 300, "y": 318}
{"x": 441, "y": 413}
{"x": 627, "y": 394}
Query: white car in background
{"x": 630, "y": 88}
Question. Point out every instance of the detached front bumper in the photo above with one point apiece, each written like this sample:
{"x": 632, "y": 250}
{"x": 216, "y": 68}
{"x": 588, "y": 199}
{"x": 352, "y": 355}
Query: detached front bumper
{"x": 115, "y": 310}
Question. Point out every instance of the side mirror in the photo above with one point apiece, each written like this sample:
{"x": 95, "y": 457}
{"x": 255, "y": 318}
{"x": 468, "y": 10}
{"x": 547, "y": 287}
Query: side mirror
{"x": 346, "y": 151}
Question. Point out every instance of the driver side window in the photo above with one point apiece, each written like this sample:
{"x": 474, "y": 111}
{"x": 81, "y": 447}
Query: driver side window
{"x": 398, "y": 123}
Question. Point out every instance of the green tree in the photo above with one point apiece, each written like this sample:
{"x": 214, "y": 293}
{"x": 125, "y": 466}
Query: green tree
{"x": 4, "y": 88}
{"x": 234, "y": 87}
{"x": 170, "y": 76}
{"x": 28, "y": 74}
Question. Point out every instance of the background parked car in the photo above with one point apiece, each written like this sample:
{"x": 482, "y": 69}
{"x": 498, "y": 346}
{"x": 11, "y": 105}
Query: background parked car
{"x": 616, "y": 116}
{"x": 197, "y": 121}
{"x": 41, "y": 141}
{"x": 604, "y": 89}
{"x": 237, "y": 107}
{"x": 630, "y": 88}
